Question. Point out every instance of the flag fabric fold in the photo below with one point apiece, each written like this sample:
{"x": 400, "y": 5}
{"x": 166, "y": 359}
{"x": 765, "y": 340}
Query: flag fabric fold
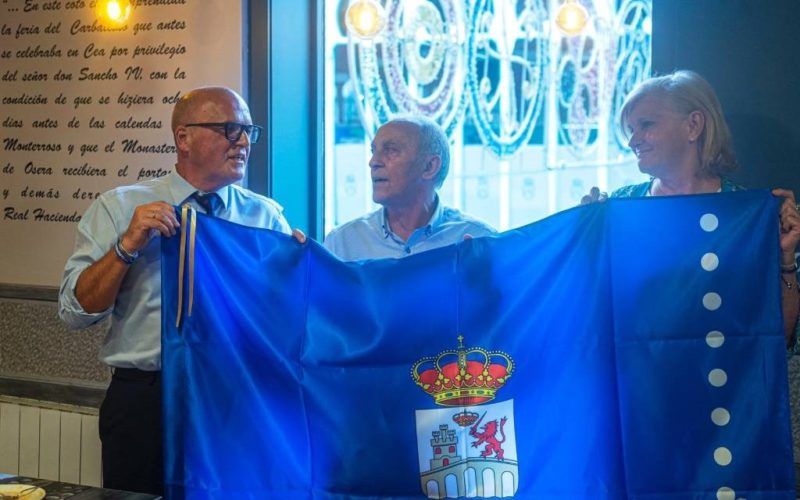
{"x": 632, "y": 349}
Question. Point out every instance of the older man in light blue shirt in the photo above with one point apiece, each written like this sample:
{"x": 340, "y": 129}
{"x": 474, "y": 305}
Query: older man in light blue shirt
{"x": 115, "y": 270}
{"x": 410, "y": 161}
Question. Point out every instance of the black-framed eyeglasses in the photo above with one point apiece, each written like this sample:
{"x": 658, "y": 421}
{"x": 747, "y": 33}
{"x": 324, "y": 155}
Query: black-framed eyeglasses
{"x": 232, "y": 130}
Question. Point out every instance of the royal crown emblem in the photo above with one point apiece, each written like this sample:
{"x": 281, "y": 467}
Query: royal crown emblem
{"x": 463, "y": 377}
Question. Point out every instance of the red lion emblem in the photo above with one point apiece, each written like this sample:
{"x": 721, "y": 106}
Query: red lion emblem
{"x": 488, "y": 436}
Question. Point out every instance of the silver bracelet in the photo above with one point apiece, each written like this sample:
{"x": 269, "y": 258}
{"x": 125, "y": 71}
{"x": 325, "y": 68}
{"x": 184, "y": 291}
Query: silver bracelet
{"x": 789, "y": 285}
{"x": 123, "y": 254}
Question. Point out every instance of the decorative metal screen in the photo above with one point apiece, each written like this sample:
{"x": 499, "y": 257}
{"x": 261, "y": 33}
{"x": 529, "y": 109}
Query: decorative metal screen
{"x": 532, "y": 114}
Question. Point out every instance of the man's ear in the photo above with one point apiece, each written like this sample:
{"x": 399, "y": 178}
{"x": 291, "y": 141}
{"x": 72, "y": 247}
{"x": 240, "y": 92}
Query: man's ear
{"x": 697, "y": 123}
{"x": 182, "y": 139}
{"x": 432, "y": 167}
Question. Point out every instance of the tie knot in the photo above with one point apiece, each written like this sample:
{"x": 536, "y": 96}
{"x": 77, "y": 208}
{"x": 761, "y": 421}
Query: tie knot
{"x": 210, "y": 202}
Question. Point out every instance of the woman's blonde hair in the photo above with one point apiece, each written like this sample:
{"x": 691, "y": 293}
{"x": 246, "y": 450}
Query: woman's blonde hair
{"x": 685, "y": 91}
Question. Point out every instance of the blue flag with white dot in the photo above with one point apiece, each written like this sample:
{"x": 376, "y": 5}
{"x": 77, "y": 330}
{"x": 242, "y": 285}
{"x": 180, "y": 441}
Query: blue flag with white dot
{"x": 700, "y": 346}
{"x": 630, "y": 349}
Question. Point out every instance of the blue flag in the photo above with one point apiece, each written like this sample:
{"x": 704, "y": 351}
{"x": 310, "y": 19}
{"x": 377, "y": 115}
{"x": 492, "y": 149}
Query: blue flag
{"x": 628, "y": 349}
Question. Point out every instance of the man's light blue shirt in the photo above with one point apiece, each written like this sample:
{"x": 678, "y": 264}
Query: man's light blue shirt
{"x": 134, "y": 340}
{"x": 370, "y": 237}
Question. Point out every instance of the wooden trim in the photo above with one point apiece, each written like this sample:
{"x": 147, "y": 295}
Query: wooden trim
{"x": 29, "y": 292}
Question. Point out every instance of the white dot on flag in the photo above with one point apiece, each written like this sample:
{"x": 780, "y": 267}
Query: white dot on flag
{"x": 726, "y": 493}
{"x": 710, "y": 261}
{"x": 720, "y": 416}
{"x": 723, "y": 456}
{"x": 717, "y": 377}
{"x": 715, "y": 339}
{"x": 712, "y": 301}
{"x": 709, "y": 222}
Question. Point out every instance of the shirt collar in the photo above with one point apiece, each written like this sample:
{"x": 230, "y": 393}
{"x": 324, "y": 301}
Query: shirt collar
{"x": 724, "y": 186}
{"x": 434, "y": 222}
{"x": 181, "y": 190}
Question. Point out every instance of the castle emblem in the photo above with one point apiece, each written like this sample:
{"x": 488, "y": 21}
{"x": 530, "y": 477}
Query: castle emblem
{"x": 476, "y": 457}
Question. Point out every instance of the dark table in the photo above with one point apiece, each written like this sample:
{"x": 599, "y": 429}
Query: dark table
{"x": 62, "y": 491}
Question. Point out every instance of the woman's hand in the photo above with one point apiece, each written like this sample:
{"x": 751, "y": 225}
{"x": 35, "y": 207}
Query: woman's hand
{"x": 790, "y": 225}
{"x": 594, "y": 196}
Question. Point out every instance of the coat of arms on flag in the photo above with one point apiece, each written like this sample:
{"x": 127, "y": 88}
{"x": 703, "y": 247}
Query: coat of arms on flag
{"x": 468, "y": 448}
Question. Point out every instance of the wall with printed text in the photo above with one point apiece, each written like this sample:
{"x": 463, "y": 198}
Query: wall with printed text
{"x": 86, "y": 107}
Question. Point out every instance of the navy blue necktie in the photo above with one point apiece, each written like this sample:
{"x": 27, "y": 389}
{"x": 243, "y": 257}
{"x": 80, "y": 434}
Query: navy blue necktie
{"x": 210, "y": 202}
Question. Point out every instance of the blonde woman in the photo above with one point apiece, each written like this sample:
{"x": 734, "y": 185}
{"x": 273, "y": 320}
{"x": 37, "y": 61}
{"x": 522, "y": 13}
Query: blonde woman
{"x": 679, "y": 135}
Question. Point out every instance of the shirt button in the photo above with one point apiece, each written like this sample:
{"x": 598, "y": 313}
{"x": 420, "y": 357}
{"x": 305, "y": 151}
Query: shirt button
{"x": 408, "y": 250}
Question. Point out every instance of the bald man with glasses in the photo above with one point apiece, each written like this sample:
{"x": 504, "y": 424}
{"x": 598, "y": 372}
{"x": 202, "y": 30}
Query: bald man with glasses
{"x": 115, "y": 270}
